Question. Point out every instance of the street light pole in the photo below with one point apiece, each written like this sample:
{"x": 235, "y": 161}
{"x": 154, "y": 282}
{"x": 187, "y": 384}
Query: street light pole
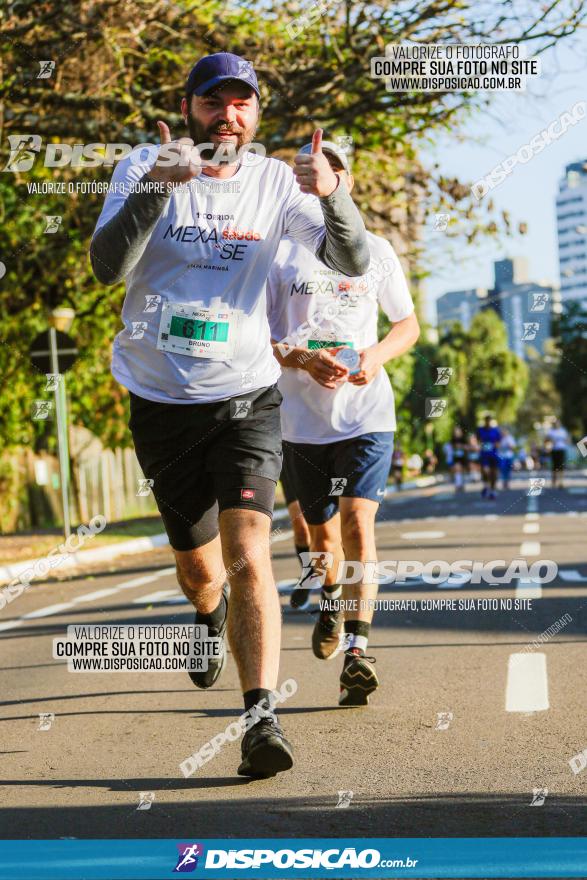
{"x": 61, "y": 319}
{"x": 61, "y": 417}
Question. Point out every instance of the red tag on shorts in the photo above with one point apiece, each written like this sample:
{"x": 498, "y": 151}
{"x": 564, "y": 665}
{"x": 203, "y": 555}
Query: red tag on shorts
{"x": 247, "y": 494}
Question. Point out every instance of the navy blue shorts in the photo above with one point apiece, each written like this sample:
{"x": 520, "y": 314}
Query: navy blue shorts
{"x": 355, "y": 468}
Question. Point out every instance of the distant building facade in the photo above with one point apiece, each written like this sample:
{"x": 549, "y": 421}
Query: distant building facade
{"x": 525, "y": 307}
{"x": 460, "y": 305}
{"x": 571, "y": 218}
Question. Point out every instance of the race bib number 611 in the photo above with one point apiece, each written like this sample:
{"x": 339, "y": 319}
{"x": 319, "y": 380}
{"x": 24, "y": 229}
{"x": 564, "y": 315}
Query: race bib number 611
{"x": 198, "y": 332}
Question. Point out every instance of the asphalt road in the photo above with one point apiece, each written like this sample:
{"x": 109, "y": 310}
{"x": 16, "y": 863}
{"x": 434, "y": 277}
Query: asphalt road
{"x": 454, "y": 742}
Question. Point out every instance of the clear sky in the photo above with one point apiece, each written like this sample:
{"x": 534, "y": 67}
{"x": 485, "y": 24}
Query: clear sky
{"x": 528, "y": 194}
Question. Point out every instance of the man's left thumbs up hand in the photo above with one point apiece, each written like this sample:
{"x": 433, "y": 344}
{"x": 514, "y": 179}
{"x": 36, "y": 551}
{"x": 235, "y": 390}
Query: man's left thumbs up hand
{"x": 312, "y": 170}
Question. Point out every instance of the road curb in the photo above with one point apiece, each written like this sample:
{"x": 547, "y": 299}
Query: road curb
{"x": 100, "y": 554}
{"x": 143, "y": 545}
{"x": 419, "y": 483}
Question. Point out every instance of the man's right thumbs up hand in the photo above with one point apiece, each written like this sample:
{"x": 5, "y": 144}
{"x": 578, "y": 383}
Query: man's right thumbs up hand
{"x": 178, "y": 161}
{"x": 313, "y": 171}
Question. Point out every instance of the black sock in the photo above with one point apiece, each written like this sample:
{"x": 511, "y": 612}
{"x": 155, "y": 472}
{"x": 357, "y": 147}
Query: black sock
{"x": 255, "y": 696}
{"x": 215, "y": 619}
{"x": 299, "y": 550}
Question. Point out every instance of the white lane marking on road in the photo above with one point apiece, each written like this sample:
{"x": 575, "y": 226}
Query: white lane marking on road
{"x": 145, "y": 579}
{"x": 531, "y": 528}
{"x": 159, "y": 596}
{"x": 98, "y": 594}
{"x": 530, "y": 548}
{"x": 527, "y": 589}
{"x": 86, "y": 597}
{"x": 10, "y": 624}
{"x": 422, "y": 536}
{"x": 491, "y": 516}
{"x": 527, "y": 683}
{"x": 571, "y": 574}
{"x": 46, "y": 612}
{"x": 532, "y": 516}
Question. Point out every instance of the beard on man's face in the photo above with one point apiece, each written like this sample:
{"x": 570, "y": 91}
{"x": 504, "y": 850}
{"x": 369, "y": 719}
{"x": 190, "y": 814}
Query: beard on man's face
{"x": 201, "y": 134}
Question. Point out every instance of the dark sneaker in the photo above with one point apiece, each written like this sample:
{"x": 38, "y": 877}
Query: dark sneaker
{"x": 327, "y": 636}
{"x": 215, "y": 664}
{"x": 300, "y": 597}
{"x": 358, "y": 679}
{"x": 265, "y": 750}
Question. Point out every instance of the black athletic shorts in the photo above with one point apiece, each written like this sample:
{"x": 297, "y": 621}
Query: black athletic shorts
{"x": 206, "y": 457}
{"x": 557, "y": 457}
{"x": 287, "y": 477}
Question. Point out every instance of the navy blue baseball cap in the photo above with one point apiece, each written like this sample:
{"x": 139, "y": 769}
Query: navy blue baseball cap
{"x": 221, "y": 67}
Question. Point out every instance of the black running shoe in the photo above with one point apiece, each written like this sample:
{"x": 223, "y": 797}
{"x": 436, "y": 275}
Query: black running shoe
{"x": 265, "y": 751}
{"x": 215, "y": 664}
{"x": 300, "y": 597}
{"x": 358, "y": 679}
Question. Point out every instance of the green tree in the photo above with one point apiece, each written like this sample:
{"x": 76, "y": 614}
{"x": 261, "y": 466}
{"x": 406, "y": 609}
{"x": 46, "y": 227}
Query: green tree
{"x": 542, "y": 398}
{"x": 120, "y": 67}
{"x": 497, "y": 378}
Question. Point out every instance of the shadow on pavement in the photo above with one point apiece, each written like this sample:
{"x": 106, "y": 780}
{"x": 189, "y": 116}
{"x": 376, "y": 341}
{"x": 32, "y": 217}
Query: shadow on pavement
{"x": 480, "y": 814}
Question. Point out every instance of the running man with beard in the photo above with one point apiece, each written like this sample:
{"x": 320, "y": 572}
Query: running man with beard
{"x": 338, "y": 422}
{"x": 195, "y": 258}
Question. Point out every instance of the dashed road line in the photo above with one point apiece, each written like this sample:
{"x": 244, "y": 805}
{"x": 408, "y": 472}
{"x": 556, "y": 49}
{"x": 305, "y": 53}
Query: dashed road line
{"x": 48, "y": 611}
{"x": 97, "y": 594}
{"x": 527, "y": 683}
{"x": 422, "y": 536}
{"x": 159, "y": 596}
{"x": 528, "y": 589}
{"x": 59, "y": 608}
{"x": 571, "y": 574}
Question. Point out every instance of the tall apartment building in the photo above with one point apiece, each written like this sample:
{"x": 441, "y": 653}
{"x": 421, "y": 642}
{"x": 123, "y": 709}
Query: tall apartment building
{"x": 525, "y": 307}
{"x": 571, "y": 218}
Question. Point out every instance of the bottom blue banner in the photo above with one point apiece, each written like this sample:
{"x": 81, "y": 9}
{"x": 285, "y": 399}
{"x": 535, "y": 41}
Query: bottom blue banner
{"x": 303, "y": 858}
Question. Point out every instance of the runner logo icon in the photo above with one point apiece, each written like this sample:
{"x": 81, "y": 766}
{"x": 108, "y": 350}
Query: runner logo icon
{"x": 188, "y": 857}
